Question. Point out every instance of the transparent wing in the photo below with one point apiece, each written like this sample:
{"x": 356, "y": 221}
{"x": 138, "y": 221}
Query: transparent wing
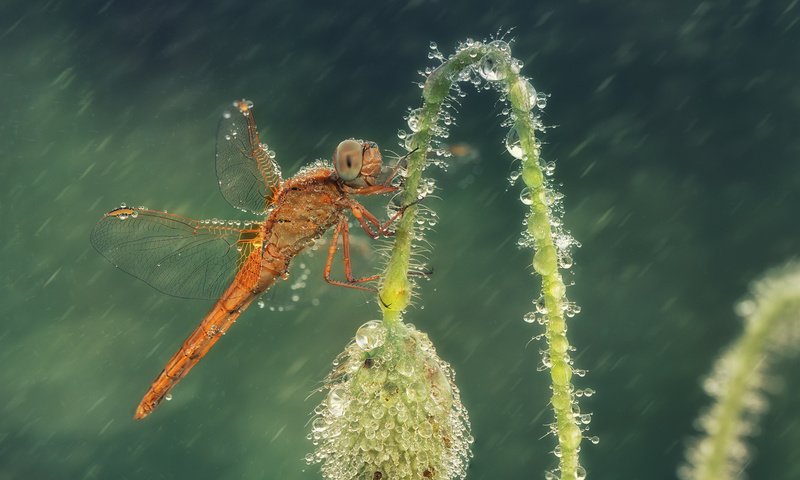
{"x": 248, "y": 174}
{"x": 176, "y": 255}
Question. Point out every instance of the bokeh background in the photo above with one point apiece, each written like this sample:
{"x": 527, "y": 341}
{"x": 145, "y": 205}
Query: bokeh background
{"x": 676, "y": 144}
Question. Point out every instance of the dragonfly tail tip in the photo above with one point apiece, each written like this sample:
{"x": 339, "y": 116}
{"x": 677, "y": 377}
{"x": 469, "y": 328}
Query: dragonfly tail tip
{"x": 141, "y": 412}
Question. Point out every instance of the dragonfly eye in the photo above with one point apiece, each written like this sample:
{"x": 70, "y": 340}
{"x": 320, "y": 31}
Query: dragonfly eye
{"x": 348, "y": 159}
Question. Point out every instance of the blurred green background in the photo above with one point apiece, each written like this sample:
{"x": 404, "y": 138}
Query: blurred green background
{"x": 676, "y": 144}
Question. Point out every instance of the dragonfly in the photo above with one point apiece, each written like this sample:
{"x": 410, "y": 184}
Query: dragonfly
{"x": 235, "y": 262}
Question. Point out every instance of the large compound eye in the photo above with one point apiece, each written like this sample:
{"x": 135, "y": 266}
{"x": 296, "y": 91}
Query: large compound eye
{"x": 348, "y": 159}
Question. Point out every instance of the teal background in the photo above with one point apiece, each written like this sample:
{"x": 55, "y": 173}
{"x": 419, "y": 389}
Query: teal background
{"x": 676, "y": 143}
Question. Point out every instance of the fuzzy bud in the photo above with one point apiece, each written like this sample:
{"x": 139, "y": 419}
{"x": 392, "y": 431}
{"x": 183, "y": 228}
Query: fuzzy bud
{"x": 392, "y": 411}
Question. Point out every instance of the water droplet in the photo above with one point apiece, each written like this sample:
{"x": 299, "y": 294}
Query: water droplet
{"x": 529, "y": 317}
{"x": 337, "y": 400}
{"x": 410, "y": 143}
{"x": 492, "y": 68}
{"x": 501, "y": 46}
{"x": 532, "y": 94}
{"x": 595, "y": 440}
{"x": 433, "y": 46}
{"x": 405, "y": 368}
{"x": 541, "y": 101}
{"x": 414, "y": 117}
{"x": 370, "y": 335}
{"x": 546, "y": 361}
{"x": 318, "y": 425}
{"x": 540, "y": 306}
{"x": 425, "y": 430}
{"x": 168, "y": 397}
{"x": 525, "y": 196}
{"x": 580, "y": 473}
{"x": 524, "y": 91}
{"x": 513, "y": 144}
{"x": 226, "y": 114}
{"x": 550, "y": 168}
{"x": 260, "y": 303}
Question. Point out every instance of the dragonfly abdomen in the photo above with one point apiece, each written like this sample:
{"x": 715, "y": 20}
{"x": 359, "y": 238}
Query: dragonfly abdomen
{"x": 251, "y": 280}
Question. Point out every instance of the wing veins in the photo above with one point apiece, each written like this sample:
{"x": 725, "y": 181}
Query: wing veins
{"x": 248, "y": 174}
{"x": 176, "y": 255}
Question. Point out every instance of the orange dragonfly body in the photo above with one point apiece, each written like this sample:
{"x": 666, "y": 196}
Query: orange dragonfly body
{"x": 217, "y": 259}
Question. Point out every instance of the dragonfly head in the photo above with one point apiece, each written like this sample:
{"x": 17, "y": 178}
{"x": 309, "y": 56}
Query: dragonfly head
{"x": 357, "y": 163}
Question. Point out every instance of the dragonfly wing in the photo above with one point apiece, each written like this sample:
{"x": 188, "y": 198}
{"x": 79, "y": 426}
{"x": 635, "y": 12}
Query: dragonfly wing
{"x": 248, "y": 174}
{"x": 179, "y": 256}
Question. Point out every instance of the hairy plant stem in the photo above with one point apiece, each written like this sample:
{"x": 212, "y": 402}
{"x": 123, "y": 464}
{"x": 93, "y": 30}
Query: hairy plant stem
{"x": 772, "y": 328}
{"x": 396, "y": 291}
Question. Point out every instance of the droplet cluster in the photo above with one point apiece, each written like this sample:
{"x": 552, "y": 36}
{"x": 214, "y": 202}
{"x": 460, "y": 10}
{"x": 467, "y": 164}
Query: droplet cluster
{"x": 391, "y": 411}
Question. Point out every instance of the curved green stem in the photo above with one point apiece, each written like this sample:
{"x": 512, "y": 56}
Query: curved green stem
{"x": 396, "y": 289}
{"x": 772, "y": 325}
{"x": 496, "y": 65}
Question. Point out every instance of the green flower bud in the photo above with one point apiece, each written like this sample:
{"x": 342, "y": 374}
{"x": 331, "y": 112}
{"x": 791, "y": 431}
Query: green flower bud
{"x": 392, "y": 411}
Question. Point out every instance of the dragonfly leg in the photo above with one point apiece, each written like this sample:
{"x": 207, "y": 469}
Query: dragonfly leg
{"x": 382, "y": 229}
{"x": 343, "y": 230}
{"x": 376, "y": 190}
{"x": 396, "y": 167}
{"x": 363, "y": 216}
